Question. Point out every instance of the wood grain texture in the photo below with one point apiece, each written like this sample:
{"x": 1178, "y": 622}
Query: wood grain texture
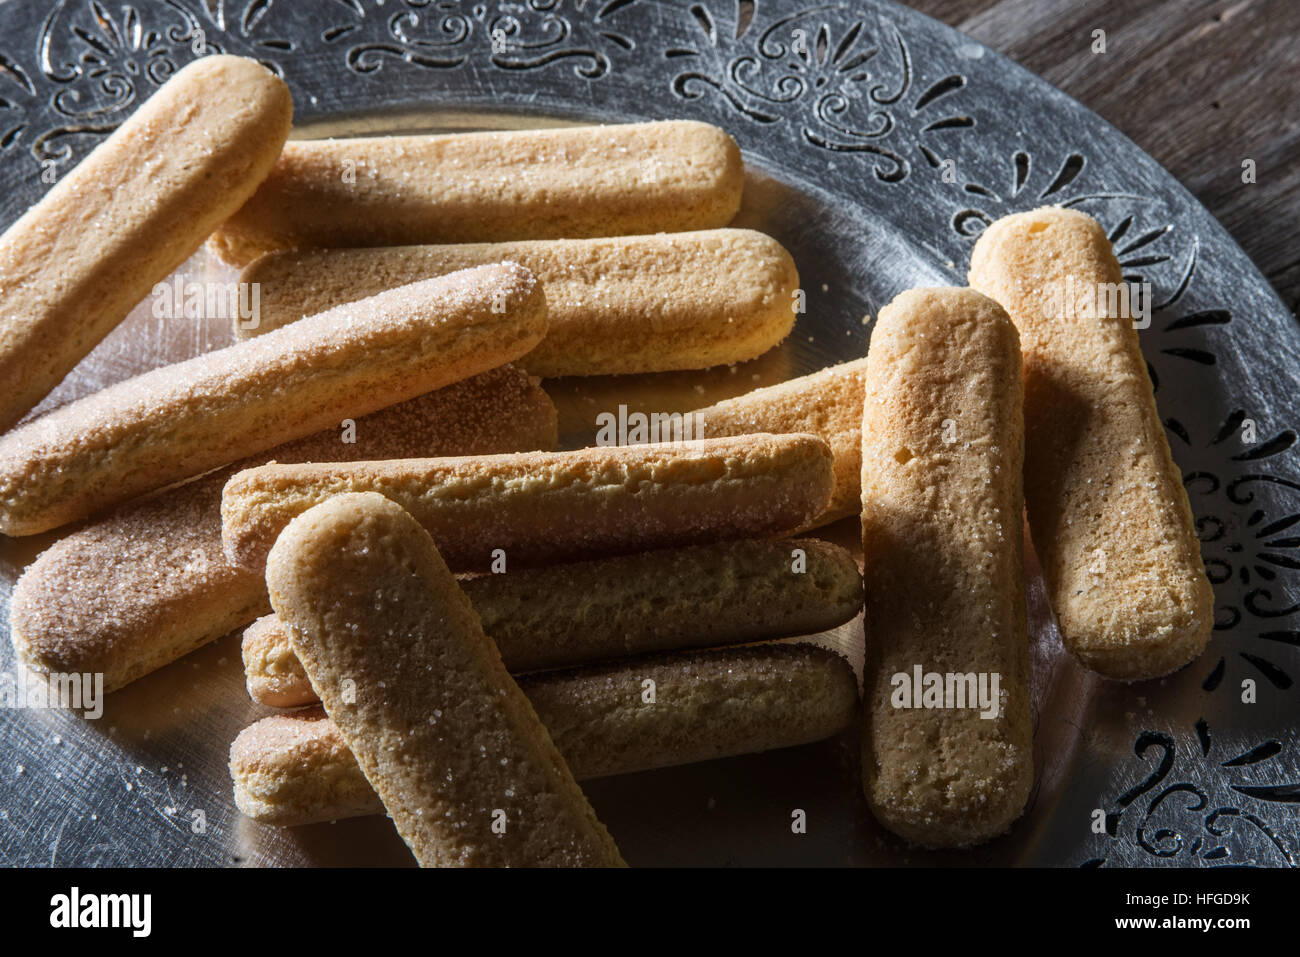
{"x": 1201, "y": 85}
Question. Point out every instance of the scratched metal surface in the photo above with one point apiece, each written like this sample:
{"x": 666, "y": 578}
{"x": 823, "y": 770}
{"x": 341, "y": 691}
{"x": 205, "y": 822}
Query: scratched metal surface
{"x": 847, "y": 114}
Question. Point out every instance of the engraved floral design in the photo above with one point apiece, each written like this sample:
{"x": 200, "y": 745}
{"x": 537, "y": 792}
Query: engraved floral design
{"x": 419, "y": 33}
{"x": 17, "y": 96}
{"x": 538, "y": 33}
{"x": 104, "y": 64}
{"x": 1169, "y": 316}
{"x": 104, "y": 60}
{"x": 1143, "y": 241}
{"x": 851, "y": 82}
{"x": 514, "y": 36}
{"x": 1197, "y": 817}
{"x": 1028, "y": 183}
{"x": 1249, "y": 553}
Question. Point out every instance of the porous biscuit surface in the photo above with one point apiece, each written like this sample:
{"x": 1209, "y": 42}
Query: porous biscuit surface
{"x": 492, "y": 186}
{"x": 1110, "y": 518}
{"x": 543, "y": 507}
{"x": 295, "y": 768}
{"x": 826, "y": 403}
{"x": 616, "y": 305}
{"x": 136, "y": 590}
{"x": 666, "y": 599}
{"x": 79, "y": 260}
{"x": 304, "y": 748}
{"x": 707, "y": 705}
{"x": 272, "y": 671}
{"x": 444, "y": 735}
{"x": 186, "y": 418}
{"x": 576, "y": 613}
{"x": 941, "y": 525}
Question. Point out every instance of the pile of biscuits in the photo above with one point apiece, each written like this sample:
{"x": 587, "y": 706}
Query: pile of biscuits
{"x": 464, "y": 621}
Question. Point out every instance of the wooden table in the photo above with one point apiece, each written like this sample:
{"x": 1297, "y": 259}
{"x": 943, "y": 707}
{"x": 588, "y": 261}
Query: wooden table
{"x": 1201, "y": 85}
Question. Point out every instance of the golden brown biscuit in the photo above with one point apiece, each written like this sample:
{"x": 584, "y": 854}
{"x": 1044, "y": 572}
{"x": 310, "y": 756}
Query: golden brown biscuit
{"x": 294, "y": 768}
{"x": 616, "y": 305}
{"x": 827, "y": 403}
{"x": 184, "y": 419}
{"x": 443, "y": 734}
{"x": 541, "y": 507}
{"x": 148, "y": 583}
{"x": 571, "y": 183}
{"x": 77, "y": 262}
{"x": 666, "y": 599}
{"x": 942, "y": 446}
{"x": 1109, "y": 515}
{"x": 272, "y": 672}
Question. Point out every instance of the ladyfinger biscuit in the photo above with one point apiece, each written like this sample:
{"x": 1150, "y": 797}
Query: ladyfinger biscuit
{"x": 574, "y": 182}
{"x": 618, "y": 607}
{"x": 148, "y": 583}
{"x": 138, "y": 206}
{"x": 418, "y": 693}
{"x": 272, "y": 672}
{"x": 1107, "y": 509}
{"x": 541, "y": 507}
{"x": 826, "y": 403}
{"x": 295, "y": 768}
{"x": 942, "y": 445}
{"x": 184, "y": 419}
{"x": 619, "y": 305}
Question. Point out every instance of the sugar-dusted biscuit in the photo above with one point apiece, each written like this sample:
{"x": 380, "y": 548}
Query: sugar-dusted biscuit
{"x": 295, "y": 768}
{"x": 138, "y": 206}
{"x": 1107, "y": 509}
{"x": 558, "y": 615}
{"x": 465, "y": 768}
{"x": 272, "y": 672}
{"x": 148, "y": 582}
{"x": 539, "y": 507}
{"x": 616, "y": 305}
{"x": 827, "y": 403}
{"x": 184, "y": 419}
{"x": 942, "y": 445}
{"x": 572, "y": 182}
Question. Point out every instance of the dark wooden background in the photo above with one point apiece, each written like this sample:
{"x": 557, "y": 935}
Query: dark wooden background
{"x": 1201, "y": 85}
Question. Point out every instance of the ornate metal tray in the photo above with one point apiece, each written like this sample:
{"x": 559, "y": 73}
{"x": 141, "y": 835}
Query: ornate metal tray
{"x": 879, "y": 144}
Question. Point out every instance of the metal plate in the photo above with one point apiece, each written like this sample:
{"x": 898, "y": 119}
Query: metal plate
{"x": 849, "y": 114}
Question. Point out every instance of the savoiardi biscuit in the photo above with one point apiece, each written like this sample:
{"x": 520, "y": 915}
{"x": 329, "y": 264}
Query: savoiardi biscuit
{"x": 541, "y": 507}
{"x": 826, "y": 403}
{"x": 942, "y": 445}
{"x": 138, "y": 206}
{"x": 454, "y": 749}
{"x": 669, "y": 598}
{"x": 1107, "y": 509}
{"x": 616, "y": 305}
{"x": 184, "y": 419}
{"x": 295, "y": 768}
{"x": 572, "y": 182}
